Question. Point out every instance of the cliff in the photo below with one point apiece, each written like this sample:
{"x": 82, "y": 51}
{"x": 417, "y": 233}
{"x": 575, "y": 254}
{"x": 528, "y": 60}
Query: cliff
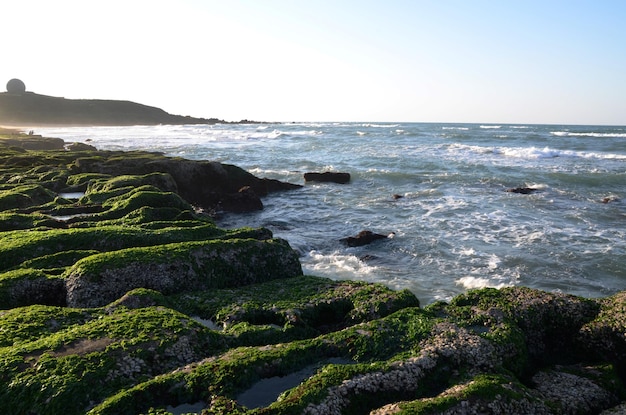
{"x": 29, "y": 108}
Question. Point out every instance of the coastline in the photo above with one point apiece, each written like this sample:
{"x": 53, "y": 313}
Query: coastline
{"x": 141, "y": 340}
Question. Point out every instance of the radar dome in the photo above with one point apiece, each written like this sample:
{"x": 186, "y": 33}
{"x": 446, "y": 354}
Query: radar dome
{"x": 16, "y": 86}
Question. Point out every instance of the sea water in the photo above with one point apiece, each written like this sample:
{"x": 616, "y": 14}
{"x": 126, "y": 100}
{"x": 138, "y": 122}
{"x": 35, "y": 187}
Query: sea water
{"x": 439, "y": 188}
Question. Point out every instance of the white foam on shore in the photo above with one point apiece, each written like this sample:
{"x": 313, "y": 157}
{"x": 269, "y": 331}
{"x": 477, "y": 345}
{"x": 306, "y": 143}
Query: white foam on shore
{"x": 335, "y": 265}
{"x": 472, "y": 283}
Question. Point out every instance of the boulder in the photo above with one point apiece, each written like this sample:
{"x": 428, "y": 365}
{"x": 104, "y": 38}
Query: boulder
{"x": 328, "y": 176}
{"x": 363, "y": 238}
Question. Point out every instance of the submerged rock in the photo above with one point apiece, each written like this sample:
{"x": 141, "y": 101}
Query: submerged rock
{"x": 522, "y": 190}
{"x": 363, "y": 238}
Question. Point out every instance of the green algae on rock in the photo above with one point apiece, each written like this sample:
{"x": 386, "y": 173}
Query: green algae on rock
{"x": 185, "y": 266}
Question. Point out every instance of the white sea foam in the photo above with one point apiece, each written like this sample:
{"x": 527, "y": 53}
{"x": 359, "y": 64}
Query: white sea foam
{"x": 547, "y": 152}
{"x": 588, "y": 134}
{"x": 490, "y": 126}
{"x": 380, "y": 125}
{"x": 336, "y": 265}
{"x": 472, "y": 283}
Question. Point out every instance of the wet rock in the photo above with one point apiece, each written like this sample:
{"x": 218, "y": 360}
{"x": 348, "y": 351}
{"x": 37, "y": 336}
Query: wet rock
{"x": 609, "y": 199}
{"x": 363, "y": 238}
{"x": 332, "y": 177}
{"x": 245, "y": 200}
{"x": 522, "y": 190}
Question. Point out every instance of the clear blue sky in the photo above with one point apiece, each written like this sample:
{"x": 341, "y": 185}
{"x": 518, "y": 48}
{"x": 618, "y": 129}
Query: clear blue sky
{"x": 506, "y": 61}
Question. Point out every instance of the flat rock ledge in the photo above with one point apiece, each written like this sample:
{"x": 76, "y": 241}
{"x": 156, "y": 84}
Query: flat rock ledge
{"x": 127, "y": 299}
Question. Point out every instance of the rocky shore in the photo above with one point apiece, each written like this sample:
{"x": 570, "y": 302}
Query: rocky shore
{"x": 119, "y": 295}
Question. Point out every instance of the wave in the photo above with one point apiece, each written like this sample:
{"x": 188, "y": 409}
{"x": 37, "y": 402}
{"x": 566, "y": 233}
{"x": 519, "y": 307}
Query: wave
{"x": 336, "y": 265}
{"x": 380, "y": 125}
{"x": 471, "y": 283}
{"x": 490, "y": 126}
{"x": 264, "y": 134}
{"x": 547, "y": 152}
{"x": 587, "y": 134}
{"x": 535, "y": 152}
{"x": 455, "y": 128}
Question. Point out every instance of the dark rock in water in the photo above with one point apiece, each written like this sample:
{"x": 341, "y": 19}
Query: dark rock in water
{"x": 328, "y": 176}
{"x": 363, "y": 238}
{"x": 609, "y": 199}
{"x": 368, "y": 258}
{"x": 522, "y": 190}
{"x": 245, "y": 200}
{"x": 397, "y": 196}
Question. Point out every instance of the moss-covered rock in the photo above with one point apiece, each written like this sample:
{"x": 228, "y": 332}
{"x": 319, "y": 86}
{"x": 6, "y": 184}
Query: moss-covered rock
{"x": 604, "y": 337}
{"x": 18, "y": 246}
{"x": 21, "y": 221}
{"x": 27, "y": 286}
{"x": 99, "y": 279}
{"x": 25, "y": 196}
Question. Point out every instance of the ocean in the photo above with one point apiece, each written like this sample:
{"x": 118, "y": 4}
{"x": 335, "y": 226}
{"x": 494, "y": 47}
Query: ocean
{"x": 438, "y": 189}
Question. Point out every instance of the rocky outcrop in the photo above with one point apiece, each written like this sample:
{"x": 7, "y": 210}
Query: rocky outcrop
{"x": 202, "y": 183}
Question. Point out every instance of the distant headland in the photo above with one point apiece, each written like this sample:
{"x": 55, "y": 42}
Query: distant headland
{"x": 19, "y": 107}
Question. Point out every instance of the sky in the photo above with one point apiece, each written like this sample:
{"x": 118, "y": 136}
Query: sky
{"x": 499, "y": 61}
